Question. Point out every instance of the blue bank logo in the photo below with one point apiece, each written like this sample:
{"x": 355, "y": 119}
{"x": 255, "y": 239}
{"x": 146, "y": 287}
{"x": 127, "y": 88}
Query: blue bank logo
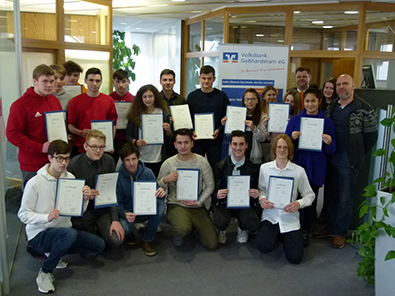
{"x": 230, "y": 57}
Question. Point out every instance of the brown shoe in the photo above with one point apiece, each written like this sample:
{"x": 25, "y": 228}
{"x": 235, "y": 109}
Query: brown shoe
{"x": 149, "y": 249}
{"x": 338, "y": 242}
{"x": 323, "y": 233}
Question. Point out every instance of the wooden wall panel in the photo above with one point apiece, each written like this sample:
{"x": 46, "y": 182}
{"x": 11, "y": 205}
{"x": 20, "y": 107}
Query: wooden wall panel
{"x": 343, "y": 66}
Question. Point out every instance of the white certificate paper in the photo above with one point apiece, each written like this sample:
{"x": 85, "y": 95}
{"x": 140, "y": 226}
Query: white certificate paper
{"x": 187, "y": 187}
{"x": 236, "y": 117}
{"x": 73, "y": 90}
{"x": 238, "y": 196}
{"x": 204, "y": 126}
{"x": 106, "y": 184}
{"x": 181, "y": 116}
{"x": 279, "y": 114}
{"x": 280, "y": 191}
{"x": 69, "y": 197}
{"x": 122, "y": 110}
{"x": 144, "y": 199}
{"x": 55, "y": 123}
{"x": 107, "y": 128}
{"x": 152, "y": 128}
{"x": 311, "y": 130}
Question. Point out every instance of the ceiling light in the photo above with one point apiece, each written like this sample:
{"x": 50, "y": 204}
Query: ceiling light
{"x": 296, "y": 11}
{"x": 327, "y": 27}
{"x": 177, "y": 0}
{"x": 281, "y": 41}
{"x": 259, "y": 35}
{"x": 123, "y": 23}
{"x": 351, "y": 12}
{"x": 250, "y": 22}
{"x": 158, "y": 5}
{"x": 317, "y": 22}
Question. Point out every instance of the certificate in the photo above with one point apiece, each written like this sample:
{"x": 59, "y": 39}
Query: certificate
{"x": 73, "y": 90}
{"x": 69, "y": 197}
{"x": 152, "y": 128}
{"x": 238, "y": 196}
{"x": 204, "y": 126}
{"x": 236, "y": 117}
{"x": 187, "y": 187}
{"x": 106, "y": 184}
{"x": 144, "y": 199}
{"x": 55, "y": 124}
{"x": 107, "y": 128}
{"x": 181, "y": 117}
{"x": 122, "y": 110}
{"x": 311, "y": 130}
{"x": 280, "y": 191}
{"x": 279, "y": 114}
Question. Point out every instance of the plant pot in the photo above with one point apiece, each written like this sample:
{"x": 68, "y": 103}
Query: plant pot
{"x": 384, "y": 270}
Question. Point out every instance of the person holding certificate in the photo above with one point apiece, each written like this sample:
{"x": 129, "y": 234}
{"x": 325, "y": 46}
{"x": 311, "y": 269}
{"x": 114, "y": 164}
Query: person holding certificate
{"x": 148, "y": 100}
{"x": 103, "y": 220}
{"x": 313, "y": 161}
{"x": 46, "y": 230}
{"x": 186, "y": 215}
{"x": 133, "y": 170}
{"x": 73, "y": 74}
{"x": 284, "y": 220}
{"x": 236, "y": 165}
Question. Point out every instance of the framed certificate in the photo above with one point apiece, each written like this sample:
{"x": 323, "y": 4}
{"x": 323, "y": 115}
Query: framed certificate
{"x": 311, "y": 130}
{"x": 106, "y": 184}
{"x": 55, "y": 124}
{"x": 236, "y": 117}
{"x": 187, "y": 187}
{"x": 280, "y": 191}
{"x": 144, "y": 199}
{"x": 73, "y": 90}
{"x": 279, "y": 114}
{"x": 69, "y": 198}
{"x": 204, "y": 126}
{"x": 107, "y": 128}
{"x": 152, "y": 128}
{"x": 181, "y": 116}
{"x": 122, "y": 110}
{"x": 238, "y": 196}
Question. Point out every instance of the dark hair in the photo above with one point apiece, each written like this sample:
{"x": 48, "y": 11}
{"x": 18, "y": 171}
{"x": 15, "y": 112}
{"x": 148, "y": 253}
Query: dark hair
{"x": 238, "y": 134}
{"x": 138, "y": 107}
{"x": 183, "y": 132}
{"x": 42, "y": 70}
{"x": 313, "y": 89}
{"x": 167, "y": 72}
{"x": 129, "y": 149}
{"x": 95, "y": 71}
{"x": 265, "y": 105}
{"x": 303, "y": 68}
{"x": 120, "y": 74}
{"x": 257, "y": 113}
{"x": 60, "y": 69}
{"x": 324, "y": 104}
{"x": 72, "y": 67}
{"x": 59, "y": 147}
{"x": 207, "y": 69}
{"x": 290, "y": 145}
{"x": 297, "y": 101}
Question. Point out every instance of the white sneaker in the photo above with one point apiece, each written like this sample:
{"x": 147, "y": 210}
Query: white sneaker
{"x": 44, "y": 282}
{"x": 242, "y": 236}
{"x": 222, "y": 237}
{"x": 62, "y": 264}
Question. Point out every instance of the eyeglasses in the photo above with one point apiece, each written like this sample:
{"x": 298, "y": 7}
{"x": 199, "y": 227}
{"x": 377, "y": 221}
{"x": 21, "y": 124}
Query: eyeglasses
{"x": 60, "y": 159}
{"x": 250, "y": 99}
{"x": 94, "y": 147}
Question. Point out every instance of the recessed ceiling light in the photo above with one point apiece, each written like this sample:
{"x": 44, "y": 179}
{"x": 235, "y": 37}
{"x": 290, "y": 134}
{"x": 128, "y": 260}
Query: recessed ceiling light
{"x": 351, "y": 12}
{"x": 317, "y": 22}
{"x": 177, "y": 0}
{"x": 296, "y": 11}
{"x": 327, "y": 27}
{"x": 123, "y": 23}
{"x": 281, "y": 41}
{"x": 158, "y": 5}
{"x": 259, "y": 35}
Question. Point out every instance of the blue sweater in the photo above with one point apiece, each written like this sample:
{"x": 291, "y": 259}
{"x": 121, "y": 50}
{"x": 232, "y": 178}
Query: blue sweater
{"x": 314, "y": 162}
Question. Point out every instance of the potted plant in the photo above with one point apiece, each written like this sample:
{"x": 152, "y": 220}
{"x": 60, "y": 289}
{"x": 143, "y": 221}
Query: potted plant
{"x": 122, "y": 54}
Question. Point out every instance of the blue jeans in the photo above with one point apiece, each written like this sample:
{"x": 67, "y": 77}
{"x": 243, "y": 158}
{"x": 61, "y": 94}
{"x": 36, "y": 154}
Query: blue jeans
{"x": 62, "y": 241}
{"x": 339, "y": 196}
{"x": 153, "y": 221}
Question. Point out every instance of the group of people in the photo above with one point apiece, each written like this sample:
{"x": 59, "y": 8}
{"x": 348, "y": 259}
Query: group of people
{"x": 350, "y": 124}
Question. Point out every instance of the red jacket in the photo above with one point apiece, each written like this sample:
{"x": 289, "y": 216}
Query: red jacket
{"x": 26, "y": 128}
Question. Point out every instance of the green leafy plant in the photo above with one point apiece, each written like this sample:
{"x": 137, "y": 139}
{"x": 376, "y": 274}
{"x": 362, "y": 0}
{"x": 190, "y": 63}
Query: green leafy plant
{"x": 122, "y": 55}
{"x": 366, "y": 234}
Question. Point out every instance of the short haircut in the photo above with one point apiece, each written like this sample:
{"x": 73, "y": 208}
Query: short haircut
{"x": 95, "y": 71}
{"x": 167, "y": 72}
{"x": 59, "y": 147}
{"x": 42, "y": 70}
{"x": 290, "y": 145}
{"x": 303, "y": 68}
{"x": 183, "y": 132}
{"x": 120, "y": 74}
{"x": 129, "y": 149}
{"x": 313, "y": 89}
{"x": 72, "y": 67}
{"x": 95, "y": 134}
{"x": 207, "y": 69}
{"x": 60, "y": 69}
{"x": 238, "y": 134}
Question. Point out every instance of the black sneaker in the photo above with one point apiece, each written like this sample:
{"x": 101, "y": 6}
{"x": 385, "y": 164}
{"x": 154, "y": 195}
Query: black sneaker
{"x": 306, "y": 239}
{"x": 129, "y": 239}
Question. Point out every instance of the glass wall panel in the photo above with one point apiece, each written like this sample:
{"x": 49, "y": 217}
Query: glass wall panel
{"x": 383, "y": 72}
{"x": 195, "y": 37}
{"x": 262, "y": 28}
{"x": 213, "y": 62}
{"x": 192, "y": 75}
{"x": 85, "y": 22}
{"x": 380, "y": 27}
{"x": 214, "y": 33}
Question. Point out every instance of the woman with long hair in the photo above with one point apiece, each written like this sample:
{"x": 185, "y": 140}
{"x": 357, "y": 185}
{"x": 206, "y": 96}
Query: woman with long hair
{"x": 329, "y": 93}
{"x": 294, "y": 99}
{"x": 269, "y": 95}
